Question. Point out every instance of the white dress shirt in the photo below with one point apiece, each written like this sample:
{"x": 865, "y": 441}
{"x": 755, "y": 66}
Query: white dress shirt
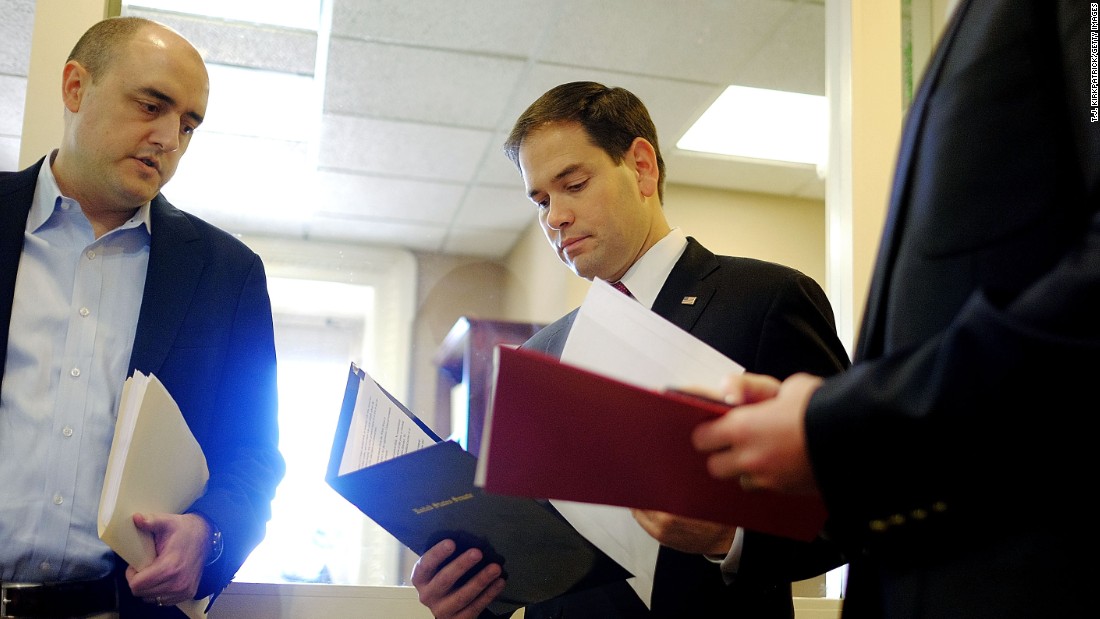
{"x": 644, "y": 280}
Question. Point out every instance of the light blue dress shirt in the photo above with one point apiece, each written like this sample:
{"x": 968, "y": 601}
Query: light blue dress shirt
{"x": 72, "y": 329}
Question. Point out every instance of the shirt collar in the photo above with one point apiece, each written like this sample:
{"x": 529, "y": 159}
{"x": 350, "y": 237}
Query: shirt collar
{"x": 647, "y": 275}
{"x": 47, "y": 197}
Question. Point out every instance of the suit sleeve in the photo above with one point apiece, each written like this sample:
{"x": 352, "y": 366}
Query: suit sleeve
{"x": 241, "y": 442}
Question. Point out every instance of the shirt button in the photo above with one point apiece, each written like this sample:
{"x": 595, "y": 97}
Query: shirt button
{"x": 67, "y": 431}
{"x": 74, "y": 372}
{"x": 57, "y": 499}
{"x": 91, "y": 254}
{"x": 84, "y": 312}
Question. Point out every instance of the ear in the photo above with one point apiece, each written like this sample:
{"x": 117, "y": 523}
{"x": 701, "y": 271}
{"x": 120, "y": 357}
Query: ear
{"x": 74, "y": 81}
{"x": 644, "y": 158}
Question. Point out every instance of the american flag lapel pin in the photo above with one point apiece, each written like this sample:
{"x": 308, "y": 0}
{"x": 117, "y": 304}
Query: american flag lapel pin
{"x": 688, "y": 301}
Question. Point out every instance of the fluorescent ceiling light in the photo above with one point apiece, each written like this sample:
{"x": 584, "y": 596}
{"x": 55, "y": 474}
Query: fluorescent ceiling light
{"x": 763, "y": 124}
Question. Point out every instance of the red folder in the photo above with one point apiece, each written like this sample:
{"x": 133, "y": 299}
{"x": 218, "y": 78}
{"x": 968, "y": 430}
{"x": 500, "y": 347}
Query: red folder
{"x": 557, "y": 431}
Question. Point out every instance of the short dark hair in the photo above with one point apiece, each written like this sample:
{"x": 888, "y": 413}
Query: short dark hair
{"x": 97, "y": 46}
{"x": 612, "y": 117}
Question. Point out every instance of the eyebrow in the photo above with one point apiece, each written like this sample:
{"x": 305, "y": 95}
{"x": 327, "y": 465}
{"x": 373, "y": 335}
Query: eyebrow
{"x": 569, "y": 169}
{"x": 164, "y": 98}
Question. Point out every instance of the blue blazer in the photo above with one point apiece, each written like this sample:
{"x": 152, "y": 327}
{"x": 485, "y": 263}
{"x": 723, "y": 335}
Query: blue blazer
{"x": 205, "y": 330}
{"x": 957, "y": 452}
{"x": 772, "y": 320}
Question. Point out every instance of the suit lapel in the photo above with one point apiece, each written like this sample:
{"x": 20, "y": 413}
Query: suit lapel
{"x": 175, "y": 265}
{"x": 559, "y": 332}
{"x": 686, "y": 292}
{"x": 16, "y": 196}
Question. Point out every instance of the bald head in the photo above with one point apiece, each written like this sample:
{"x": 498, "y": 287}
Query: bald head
{"x": 99, "y": 47}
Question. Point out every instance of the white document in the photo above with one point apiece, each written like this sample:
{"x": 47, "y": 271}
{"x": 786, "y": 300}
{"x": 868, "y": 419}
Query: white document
{"x": 616, "y": 336}
{"x": 613, "y": 530}
{"x": 380, "y": 430}
{"x": 155, "y": 465}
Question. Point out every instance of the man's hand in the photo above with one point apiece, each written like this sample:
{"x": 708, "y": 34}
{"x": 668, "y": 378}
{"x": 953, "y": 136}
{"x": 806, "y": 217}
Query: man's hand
{"x": 182, "y": 543}
{"x": 686, "y": 534}
{"x": 762, "y": 441}
{"x": 435, "y": 582}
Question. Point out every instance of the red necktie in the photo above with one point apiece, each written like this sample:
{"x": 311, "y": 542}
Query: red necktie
{"x": 621, "y": 287}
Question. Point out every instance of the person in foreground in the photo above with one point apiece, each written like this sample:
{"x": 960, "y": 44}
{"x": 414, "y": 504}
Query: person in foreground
{"x": 590, "y": 161}
{"x": 954, "y": 456}
{"x": 99, "y": 276}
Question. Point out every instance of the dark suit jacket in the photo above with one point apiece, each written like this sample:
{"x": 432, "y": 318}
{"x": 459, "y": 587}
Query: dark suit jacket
{"x": 205, "y": 331}
{"x": 773, "y": 320}
{"x": 955, "y": 454}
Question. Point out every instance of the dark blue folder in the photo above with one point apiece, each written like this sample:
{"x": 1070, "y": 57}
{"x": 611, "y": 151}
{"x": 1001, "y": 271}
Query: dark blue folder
{"x": 429, "y": 495}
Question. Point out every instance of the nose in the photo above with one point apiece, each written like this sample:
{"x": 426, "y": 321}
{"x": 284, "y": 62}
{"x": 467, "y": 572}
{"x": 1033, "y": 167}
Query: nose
{"x": 557, "y": 216}
{"x": 166, "y": 133}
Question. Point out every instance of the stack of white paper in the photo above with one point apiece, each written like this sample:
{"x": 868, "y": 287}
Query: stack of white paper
{"x": 155, "y": 466}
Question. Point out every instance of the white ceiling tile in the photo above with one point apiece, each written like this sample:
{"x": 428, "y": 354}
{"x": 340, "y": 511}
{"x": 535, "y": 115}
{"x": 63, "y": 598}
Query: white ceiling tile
{"x": 388, "y": 199}
{"x": 249, "y": 223}
{"x": 793, "y": 58}
{"x": 15, "y": 36}
{"x": 9, "y": 153}
{"x": 506, "y": 27}
{"x": 497, "y": 169}
{"x": 480, "y": 242}
{"x": 412, "y": 236}
{"x": 700, "y": 40}
{"x": 13, "y": 92}
{"x": 495, "y": 207}
{"x": 406, "y": 150}
{"x": 410, "y": 83}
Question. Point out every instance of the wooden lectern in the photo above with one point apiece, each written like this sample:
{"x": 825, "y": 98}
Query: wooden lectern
{"x": 465, "y": 358}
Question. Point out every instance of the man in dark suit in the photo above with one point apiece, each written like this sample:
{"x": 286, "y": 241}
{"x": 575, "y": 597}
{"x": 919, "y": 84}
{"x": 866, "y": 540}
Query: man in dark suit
{"x": 956, "y": 454}
{"x": 101, "y": 276}
{"x": 590, "y": 161}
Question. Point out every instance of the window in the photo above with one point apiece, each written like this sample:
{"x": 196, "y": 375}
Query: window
{"x": 327, "y": 315}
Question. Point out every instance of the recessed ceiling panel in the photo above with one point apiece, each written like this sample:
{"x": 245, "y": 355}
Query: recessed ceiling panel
{"x": 409, "y": 83}
{"x": 411, "y": 236}
{"x": 363, "y": 196}
{"x": 793, "y": 58}
{"x": 495, "y": 208}
{"x": 705, "y": 41}
{"x": 504, "y": 27}
{"x": 403, "y": 149}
